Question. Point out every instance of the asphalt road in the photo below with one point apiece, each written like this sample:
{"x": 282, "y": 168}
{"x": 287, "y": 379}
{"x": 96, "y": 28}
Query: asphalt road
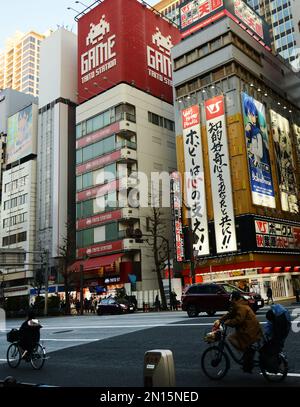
{"x": 108, "y": 351}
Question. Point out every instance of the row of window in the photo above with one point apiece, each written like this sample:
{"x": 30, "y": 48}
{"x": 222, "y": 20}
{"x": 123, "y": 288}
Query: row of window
{"x": 100, "y": 204}
{"x": 104, "y": 146}
{"x": 14, "y": 220}
{"x": 161, "y": 121}
{"x": 12, "y": 203}
{"x": 97, "y": 177}
{"x": 112, "y": 115}
{"x": 12, "y": 239}
{"x": 100, "y": 234}
{"x": 16, "y": 184}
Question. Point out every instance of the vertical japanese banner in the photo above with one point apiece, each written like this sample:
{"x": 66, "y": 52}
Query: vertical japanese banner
{"x": 177, "y": 217}
{"x": 284, "y": 162}
{"x": 194, "y": 179}
{"x": 220, "y": 175}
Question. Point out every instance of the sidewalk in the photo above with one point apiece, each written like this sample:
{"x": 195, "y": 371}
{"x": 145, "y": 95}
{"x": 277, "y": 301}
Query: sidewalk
{"x": 286, "y": 301}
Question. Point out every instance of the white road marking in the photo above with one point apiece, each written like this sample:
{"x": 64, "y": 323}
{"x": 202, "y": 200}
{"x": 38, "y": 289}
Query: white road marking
{"x": 294, "y": 374}
{"x": 70, "y": 340}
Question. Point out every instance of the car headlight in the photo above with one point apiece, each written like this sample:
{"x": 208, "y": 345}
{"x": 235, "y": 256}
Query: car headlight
{"x": 247, "y": 297}
{"x": 123, "y": 305}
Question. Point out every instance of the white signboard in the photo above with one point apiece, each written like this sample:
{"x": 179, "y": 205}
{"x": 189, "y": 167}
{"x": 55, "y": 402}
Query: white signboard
{"x": 194, "y": 179}
{"x": 220, "y": 175}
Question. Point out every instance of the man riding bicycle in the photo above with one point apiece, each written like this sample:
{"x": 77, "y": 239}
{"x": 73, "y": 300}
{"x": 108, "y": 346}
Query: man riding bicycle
{"x": 247, "y": 328}
{"x": 29, "y": 334}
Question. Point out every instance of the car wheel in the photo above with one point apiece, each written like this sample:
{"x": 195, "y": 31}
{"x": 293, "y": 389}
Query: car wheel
{"x": 192, "y": 311}
{"x": 211, "y": 313}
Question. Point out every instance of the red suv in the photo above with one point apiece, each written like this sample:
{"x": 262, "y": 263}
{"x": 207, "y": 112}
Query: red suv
{"x": 214, "y": 297}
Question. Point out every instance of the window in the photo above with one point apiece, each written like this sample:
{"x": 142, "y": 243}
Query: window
{"x": 112, "y": 231}
{"x": 161, "y": 121}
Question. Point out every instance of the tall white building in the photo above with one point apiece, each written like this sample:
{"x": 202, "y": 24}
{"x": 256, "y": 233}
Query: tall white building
{"x": 56, "y": 139}
{"x": 20, "y": 62}
{"x": 18, "y": 207}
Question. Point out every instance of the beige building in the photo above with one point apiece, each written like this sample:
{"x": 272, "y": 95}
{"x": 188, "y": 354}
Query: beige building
{"x": 20, "y": 62}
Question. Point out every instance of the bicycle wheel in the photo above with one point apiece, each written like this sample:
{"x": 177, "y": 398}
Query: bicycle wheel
{"x": 215, "y": 363}
{"x": 281, "y": 372}
{"x": 38, "y": 357}
{"x": 13, "y": 355}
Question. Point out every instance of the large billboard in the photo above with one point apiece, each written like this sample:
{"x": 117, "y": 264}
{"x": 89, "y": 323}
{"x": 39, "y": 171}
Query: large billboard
{"x": 220, "y": 175}
{"x": 284, "y": 162}
{"x": 258, "y": 152}
{"x": 194, "y": 179}
{"x": 21, "y": 134}
{"x": 196, "y": 14}
{"x": 124, "y": 41}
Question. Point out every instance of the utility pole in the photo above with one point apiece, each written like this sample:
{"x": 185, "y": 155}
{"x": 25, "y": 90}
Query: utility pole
{"x": 81, "y": 289}
{"x": 46, "y": 257}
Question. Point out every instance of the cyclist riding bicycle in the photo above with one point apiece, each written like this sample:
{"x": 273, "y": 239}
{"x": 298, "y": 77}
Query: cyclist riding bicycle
{"x": 247, "y": 328}
{"x": 29, "y": 334}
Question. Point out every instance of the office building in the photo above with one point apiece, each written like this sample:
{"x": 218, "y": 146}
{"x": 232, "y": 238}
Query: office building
{"x": 56, "y": 141}
{"x": 242, "y": 104}
{"x": 124, "y": 125}
{"x": 20, "y": 63}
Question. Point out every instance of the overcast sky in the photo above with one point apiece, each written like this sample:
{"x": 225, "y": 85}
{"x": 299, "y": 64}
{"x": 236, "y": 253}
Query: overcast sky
{"x": 39, "y": 15}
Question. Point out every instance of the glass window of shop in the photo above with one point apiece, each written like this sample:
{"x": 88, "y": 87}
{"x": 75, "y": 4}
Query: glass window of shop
{"x": 112, "y": 231}
{"x": 116, "y": 113}
{"x": 99, "y": 234}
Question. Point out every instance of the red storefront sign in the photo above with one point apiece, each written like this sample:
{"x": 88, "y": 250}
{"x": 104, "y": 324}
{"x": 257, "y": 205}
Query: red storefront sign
{"x": 98, "y": 162}
{"x": 98, "y": 135}
{"x": 98, "y": 219}
{"x": 97, "y": 191}
{"x": 103, "y": 248}
{"x": 124, "y": 41}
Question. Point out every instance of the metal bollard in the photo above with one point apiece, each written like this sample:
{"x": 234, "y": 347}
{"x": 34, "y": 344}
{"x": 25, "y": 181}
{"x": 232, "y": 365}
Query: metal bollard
{"x": 159, "y": 370}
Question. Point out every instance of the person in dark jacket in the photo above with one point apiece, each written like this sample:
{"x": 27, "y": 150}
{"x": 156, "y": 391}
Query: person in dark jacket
{"x": 29, "y": 334}
{"x": 270, "y": 295}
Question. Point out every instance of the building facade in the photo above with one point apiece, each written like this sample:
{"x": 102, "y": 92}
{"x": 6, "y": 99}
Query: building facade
{"x": 283, "y": 16}
{"x": 56, "y": 141}
{"x": 242, "y": 104}
{"x": 125, "y": 133}
{"x": 18, "y": 207}
{"x": 20, "y": 63}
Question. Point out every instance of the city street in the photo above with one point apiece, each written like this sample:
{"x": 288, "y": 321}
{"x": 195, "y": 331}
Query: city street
{"x": 108, "y": 351}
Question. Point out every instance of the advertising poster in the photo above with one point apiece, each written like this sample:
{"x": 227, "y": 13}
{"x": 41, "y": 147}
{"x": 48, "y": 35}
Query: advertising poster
{"x": 19, "y": 135}
{"x": 258, "y": 153}
{"x": 194, "y": 178}
{"x": 220, "y": 177}
{"x": 284, "y": 162}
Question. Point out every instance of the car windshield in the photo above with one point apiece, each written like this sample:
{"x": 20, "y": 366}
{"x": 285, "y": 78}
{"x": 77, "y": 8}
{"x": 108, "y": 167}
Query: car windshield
{"x": 230, "y": 288}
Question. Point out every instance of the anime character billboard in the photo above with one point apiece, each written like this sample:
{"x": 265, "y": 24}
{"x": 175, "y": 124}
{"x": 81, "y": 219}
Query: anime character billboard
{"x": 284, "y": 160}
{"x": 257, "y": 142}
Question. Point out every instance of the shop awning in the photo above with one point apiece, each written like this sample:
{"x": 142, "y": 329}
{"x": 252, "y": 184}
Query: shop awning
{"x": 75, "y": 267}
{"x": 97, "y": 262}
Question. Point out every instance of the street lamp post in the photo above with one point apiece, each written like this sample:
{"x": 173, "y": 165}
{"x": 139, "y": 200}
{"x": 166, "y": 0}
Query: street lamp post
{"x": 46, "y": 254}
{"x": 81, "y": 289}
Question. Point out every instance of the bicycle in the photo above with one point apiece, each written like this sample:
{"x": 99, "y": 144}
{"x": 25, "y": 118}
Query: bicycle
{"x": 215, "y": 361}
{"x": 14, "y": 353}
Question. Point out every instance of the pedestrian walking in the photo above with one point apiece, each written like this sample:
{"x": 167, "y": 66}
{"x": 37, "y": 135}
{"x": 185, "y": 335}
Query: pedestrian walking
{"x": 270, "y": 295}
{"x": 173, "y": 301}
{"x": 77, "y": 306}
{"x": 157, "y": 303}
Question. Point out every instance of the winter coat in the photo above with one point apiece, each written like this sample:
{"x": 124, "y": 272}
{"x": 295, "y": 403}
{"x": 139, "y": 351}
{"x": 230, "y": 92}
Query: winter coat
{"x": 242, "y": 318}
{"x": 277, "y": 331}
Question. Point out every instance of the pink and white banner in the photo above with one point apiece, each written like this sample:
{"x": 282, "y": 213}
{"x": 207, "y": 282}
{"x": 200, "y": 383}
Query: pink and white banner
{"x": 194, "y": 178}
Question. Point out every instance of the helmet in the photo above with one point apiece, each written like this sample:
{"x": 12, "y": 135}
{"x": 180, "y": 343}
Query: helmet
{"x": 235, "y": 295}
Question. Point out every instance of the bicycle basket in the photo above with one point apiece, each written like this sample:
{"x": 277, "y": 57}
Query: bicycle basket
{"x": 13, "y": 335}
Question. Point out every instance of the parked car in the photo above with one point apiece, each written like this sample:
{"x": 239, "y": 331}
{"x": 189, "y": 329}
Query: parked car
{"x": 212, "y": 297}
{"x": 114, "y": 306}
